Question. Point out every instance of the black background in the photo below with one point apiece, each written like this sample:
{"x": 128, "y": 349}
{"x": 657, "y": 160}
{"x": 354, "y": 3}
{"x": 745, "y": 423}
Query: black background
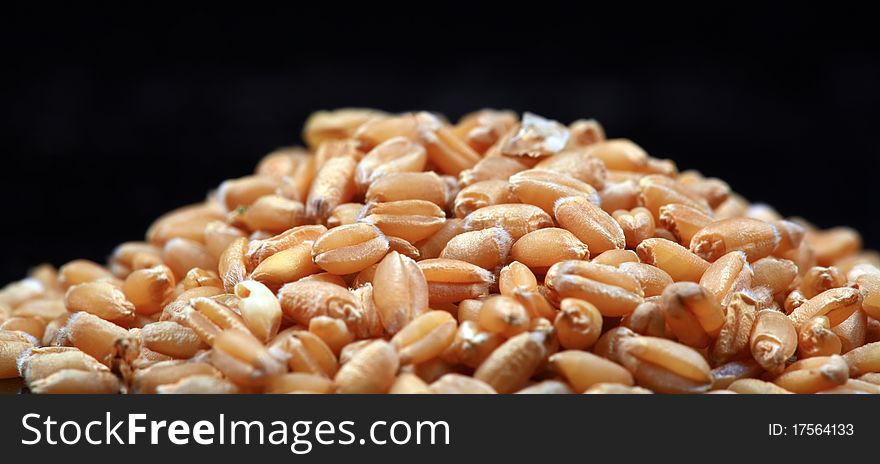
{"x": 111, "y": 116}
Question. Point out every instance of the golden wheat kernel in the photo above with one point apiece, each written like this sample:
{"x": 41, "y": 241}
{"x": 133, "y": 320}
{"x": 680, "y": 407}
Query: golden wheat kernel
{"x": 427, "y": 186}
{"x": 503, "y": 315}
{"x": 516, "y": 219}
{"x": 13, "y": 345}
{"x": 619, "y": 196}
{"x": 394, "y": 155}
{"x": 543, "y": 188}
{"x": 370, "y": 370}
{"x": 185, "y": 222}
{"x": 280, "y": 162}
{"x": 819, "y": 279}
{"x": 657, "y": 191}
{"x": 198, "y": 385}
{"x": 39, "y": 363}
{"x": 450, "y": 154}
{"x": 400, "y": 292}
{"x": 411, "y": 220}
{"x": 864, "y": 359}
{"x": 609, "y": 344}
{"x": 692, "y": 313}
{"x": 344, "y": 214}
{"x": 73, "y": 381}
{"x": 814, "y": 374}
{"x": 288, "y": 265}
{"x": 149, "y": 289}
{"x": 425, "y": 337}
{"x": 683, "y": 221}
{"x": 46, "y": 309}
{"x": 296, "y": 185}
{"x": 620, "y": 154}
{"x": 713, "y": 191}
{"x": 853, "y": 331}
{"x": 677, "y": 261}
{"x": 582, "y": 370}
{"x": 450, "y": 281}
{"x": 729, "y": 274}
{"x": 259, "y": 250}
{"x": 301, "y": 301}
{"x": 815, "y": 338}
{"x": 208, "y": 317}
{"x": 431, "y": 247}
{"x": 487, "y": 248}
{"x": 732, "y": 342}
{"x": 482, "y": 194}
{"x": 590, "y": 224}
{"x": 80, "y": 271}
{"x": 336, "y": 124}
{"x": 578, "y": 324}
{"x": 198, "y": 277}
{"x": 665, "y": 366}
{"x": 332, "y": 331}
{"x": 869, "y": 287}
{"x": 305, "y": 352}
{"x": 349, "y": 249}
{"x": 756, "y": 387}
{"x": 30, "y": 325}
{"x": 579, "y": 164}
{"x": 408, "y": 383}
{"x": 833, "y": 244}
{"x": 724, "y": 375}
{"x": 337, "y": 149}
{"x": 233, "y": 265}
{"x": 536, "y": 302}
{"x": 615, "y": 257}
{"x": 837, "y": 304}
{"x": 171, "y": 339}
{"x": 93, "y": 335}
{"x": 637, "y": 225}
{"x": 652, "y": 279}
{"x": 183, "y": 298}
{"x": 543, "y": 248}
{"x": 853, "y": 387}
{"x": 181, "y": 255}
{"x": 648, "y": 319}
{"x": 612, "y": 291}
{"x": 333, "y": 185}
{"x": 126, "y": 255}
{"x": 271, "y": 213}
{"x": 100, "y": 298}
{"x": 791, "y": 236}
{"x": 491, "y": 168}
{"x": 757, "y": 239}
{"x": 403, "y": 247}
{"x": 469, "y": 310}
{"x": 471, "y": 345}
{"x": 244, "y": 191}
{"x": 300, "y": 382}
{"x": 774, "y": 273}
{"x": 243, "y": 359}
{"x": 510, "y": 365}
{"x": 482, "y": 129}
{"x": 585, "y": 132}
{"x": 369, "y": 323}
{"x": 516, "y": 276}
{"x": 148, "y": 379}
{"x": 773, "y": 341}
